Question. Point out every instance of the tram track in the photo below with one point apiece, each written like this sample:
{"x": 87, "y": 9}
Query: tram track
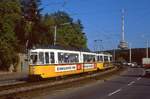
{"x": 10, "y": 83}
{"x": 28, "y": 86}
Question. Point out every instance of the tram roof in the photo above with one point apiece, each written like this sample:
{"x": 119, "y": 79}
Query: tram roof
{"x": 62, "y": 48}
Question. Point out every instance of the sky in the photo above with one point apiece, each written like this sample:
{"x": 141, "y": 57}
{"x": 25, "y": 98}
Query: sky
{"x": 101, "y": 20}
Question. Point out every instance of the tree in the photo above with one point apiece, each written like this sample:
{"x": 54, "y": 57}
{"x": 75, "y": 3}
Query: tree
{"x": 69, "y": 35}
{"x": 32, "y": 21}
{"x": 10, "y": 14}
{"x": 21, "y": 22}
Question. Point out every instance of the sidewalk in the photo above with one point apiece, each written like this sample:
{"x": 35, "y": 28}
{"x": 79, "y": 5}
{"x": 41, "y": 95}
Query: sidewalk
{"x": 12, "y": 75}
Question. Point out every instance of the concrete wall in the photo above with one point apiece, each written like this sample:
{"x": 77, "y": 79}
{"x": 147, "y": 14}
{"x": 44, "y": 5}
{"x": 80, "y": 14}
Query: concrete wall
{"x": 22, "y": 64}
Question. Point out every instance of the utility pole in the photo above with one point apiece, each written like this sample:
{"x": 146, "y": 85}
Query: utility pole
{"x": 114, "y": 54}
{"x": 55, "y": 31}
{"x": 95, "y": 45}
{"x": 130, "y": 54}
{"x": 147, "y": 48}
{"x": 55, "y": 34}
{"x": 101, "y": 46}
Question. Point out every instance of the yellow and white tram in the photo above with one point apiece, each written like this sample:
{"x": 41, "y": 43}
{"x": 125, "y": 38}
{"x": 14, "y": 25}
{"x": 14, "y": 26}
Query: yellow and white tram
{"x": 107, "y": 61}
{"x": 89, "y": 61}
{"x": 47, "y": 63}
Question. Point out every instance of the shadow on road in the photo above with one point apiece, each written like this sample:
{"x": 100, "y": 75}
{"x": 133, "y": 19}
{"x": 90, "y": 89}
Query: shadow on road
{"x": 146, "y": 76}
{"x": 142, "y": 76}
{"x": 131, "y": 75}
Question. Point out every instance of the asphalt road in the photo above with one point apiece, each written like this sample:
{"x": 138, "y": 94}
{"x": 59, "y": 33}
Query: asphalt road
{"x": 132, "y": 84}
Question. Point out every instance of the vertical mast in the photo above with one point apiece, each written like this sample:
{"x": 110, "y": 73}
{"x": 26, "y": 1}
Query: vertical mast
{"x": 123, "y": 44}
{"x": 122, "y": 24}
{"x": 147, "y": 49}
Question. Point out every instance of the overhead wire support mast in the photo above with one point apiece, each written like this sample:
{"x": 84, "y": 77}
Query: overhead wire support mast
{"x": 98, "y": 47}
{"x": 130, "y": 53}
{"x": 147, "y": 45}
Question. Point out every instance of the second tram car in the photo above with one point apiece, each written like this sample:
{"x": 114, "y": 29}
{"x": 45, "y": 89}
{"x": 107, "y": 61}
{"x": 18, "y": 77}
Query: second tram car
{"x": 89, "y": 61}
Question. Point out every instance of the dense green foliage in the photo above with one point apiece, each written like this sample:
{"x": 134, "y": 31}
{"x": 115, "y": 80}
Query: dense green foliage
{"x": 69, "y": 33}
{"x": 22, "y": 26}
{"x": 10, "y": 14}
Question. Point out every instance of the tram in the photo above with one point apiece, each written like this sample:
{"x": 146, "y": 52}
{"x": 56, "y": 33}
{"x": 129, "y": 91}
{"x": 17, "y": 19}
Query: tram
{"x": 48, "y": 63}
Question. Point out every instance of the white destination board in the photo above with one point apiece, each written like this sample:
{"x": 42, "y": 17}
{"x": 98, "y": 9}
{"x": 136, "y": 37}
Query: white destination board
{"x": 88, "y": 66}
{"x": 65, "y": 68}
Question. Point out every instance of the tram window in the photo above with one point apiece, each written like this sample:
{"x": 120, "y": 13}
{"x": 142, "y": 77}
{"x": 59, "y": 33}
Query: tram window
{"x": 93, "y": 58}
{"x": 85, "y": 58}
{"x": 41, "y": 57}
{"x": 101, "y": 58}
{"x": 110, "y": 58}
{"x": 52, "y": 57}
{"x": 46, "y": 57}
{"x": 60, "y": 57}
{"x": 33, "y": 59}
{"x": 98, "y": 58}
{"x": 73, "y": 58}
{"x": 88, "y": 58}
{"x": 68, "y": 58}
{"x": 76, "y": 58}
{"x": 106, "y": 58}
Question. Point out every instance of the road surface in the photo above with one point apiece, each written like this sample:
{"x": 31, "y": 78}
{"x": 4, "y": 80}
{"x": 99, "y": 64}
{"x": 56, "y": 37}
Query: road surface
{"x": 132, "y": 84}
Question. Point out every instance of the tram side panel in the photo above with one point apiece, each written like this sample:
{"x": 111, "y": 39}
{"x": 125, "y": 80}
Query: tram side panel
{"x": 100, "y": 65}
{"x": 87, "y": 67}
{"x": 47, "y": 71}
{"x": 104, "y": 65}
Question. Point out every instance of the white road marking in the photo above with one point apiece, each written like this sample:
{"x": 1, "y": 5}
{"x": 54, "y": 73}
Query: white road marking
{"x": 132, "y": 82}
{"x": 110, "y": 94}
{"x": 139, "y": 78}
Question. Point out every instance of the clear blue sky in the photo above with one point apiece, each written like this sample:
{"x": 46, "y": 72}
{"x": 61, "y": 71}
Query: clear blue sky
{"x": 102, "y": 19}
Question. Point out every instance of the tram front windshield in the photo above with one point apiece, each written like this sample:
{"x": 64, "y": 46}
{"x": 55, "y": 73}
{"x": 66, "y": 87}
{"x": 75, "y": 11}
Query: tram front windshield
{"x": 33, "y": 58}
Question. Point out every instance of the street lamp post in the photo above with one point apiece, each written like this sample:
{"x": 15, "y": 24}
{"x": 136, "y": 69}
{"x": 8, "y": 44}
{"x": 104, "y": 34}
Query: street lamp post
{"x": 55, "y": 32}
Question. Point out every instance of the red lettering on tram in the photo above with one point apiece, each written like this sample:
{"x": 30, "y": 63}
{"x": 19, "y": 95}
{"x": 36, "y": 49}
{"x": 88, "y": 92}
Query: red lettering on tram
{"x": 78, "y": 66}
